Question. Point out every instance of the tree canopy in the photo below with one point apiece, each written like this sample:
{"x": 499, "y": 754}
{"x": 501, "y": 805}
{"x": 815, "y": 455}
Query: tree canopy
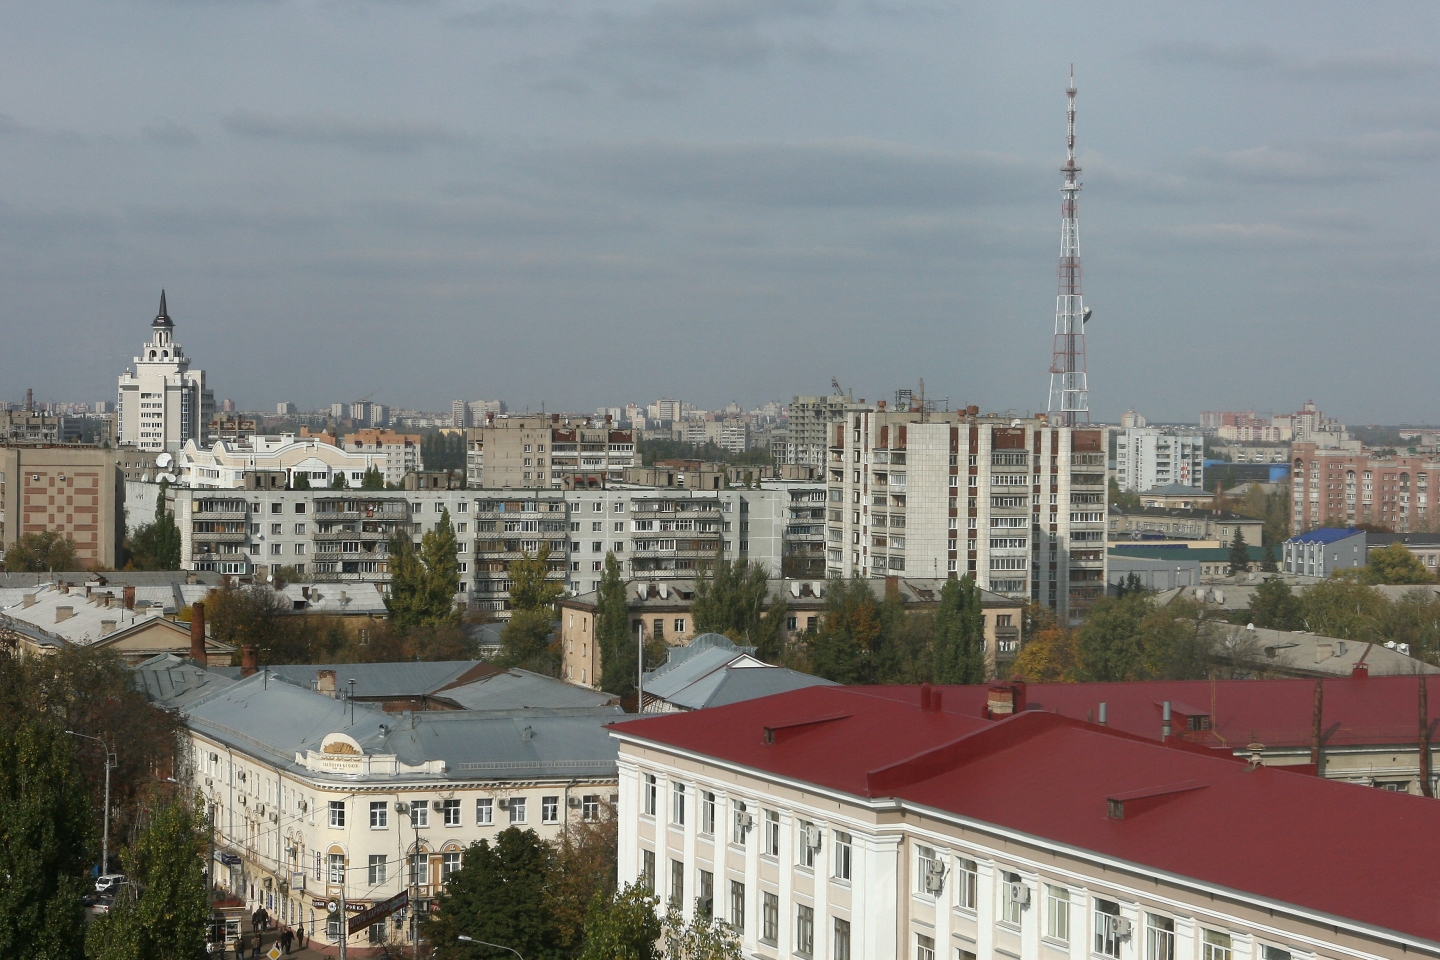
{"x": 423, "y": 583}
{"x": 41, "y": 551}
{"x": 525, "y": 641}
{"x": 730, "y": 598}
{"x": 500, "y": 894}
{"x": 959, "y": 635}
{"x": 155, "y": 545}
{"x": 1395, "y": 564}
{"x": 614, "y": 639}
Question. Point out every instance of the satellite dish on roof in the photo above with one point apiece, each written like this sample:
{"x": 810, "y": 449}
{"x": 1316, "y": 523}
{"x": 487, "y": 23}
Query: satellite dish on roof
{"x": 166, "y": 477}
{"x": 164, "y": 460}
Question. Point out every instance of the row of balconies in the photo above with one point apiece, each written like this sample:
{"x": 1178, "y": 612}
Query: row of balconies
{"x": 221, "y": 515}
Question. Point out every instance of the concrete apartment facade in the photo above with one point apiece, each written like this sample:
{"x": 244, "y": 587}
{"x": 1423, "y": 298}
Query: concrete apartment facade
{"x": 1332, "y": 487}
{"x": 1017, "y": 504}
{"x": 1148, "y": 457}
{"x": 286, "y": 457}
{"x": 163, "y": 403}
{"x": 546, "y": 452}
{"x": 807, "y": 438}
{"x": 74, "y": 491}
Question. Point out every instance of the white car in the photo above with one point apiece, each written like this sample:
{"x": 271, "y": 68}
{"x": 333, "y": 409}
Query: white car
{"x": 107, "y": 882}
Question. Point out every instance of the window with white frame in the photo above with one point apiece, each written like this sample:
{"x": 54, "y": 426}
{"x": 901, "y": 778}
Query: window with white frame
{"x": 1215, "y": 945}
{"x": 924, "y": 947}
{"x": 648, "y": 795}
{"x": 706, "y": 893}
{"x": 337, "y": 869}
{"x": 737, "y": 906}
{"x": 484, "y": 812}
{"x": 376, "y": 874}
{"x": 337, "y": 813}
{"x": 549, "y": 809}
{"x": 677, "y": 803}
{"x": 772, "y": 834}
{"x": 804, "y": 930}
{"x": 1057, "y": 913}
{"x": 419, "y": 813}
{"x": 809, "y": 837}
{"x": 966, "y": 883}
{"x": 840, "y": 940}
{"x": 1268, "y": 952}
{"x": 739, "y": 821}
{"x": 379, "y": 815}
{"x": 707, "y": 812}
{"x": 769, "y": 918}
{"x": 517, "y": 809}
{"x": 590, "y": 807}
{"x": 647, "y": 869}
{"x": 677, "y": 882}
{"x": 843, "y": 843}
{"x": 1107, "y": 928}
{"x": 1012, "y": 898}
{"x": 420, "y": 869}
{"x": 1160, "y": 938}
{"x": 450, "y": 809}
{"x": 450, "y": 863}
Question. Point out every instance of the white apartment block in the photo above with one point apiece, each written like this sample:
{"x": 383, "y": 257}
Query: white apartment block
{"x": 163, "y": 403}
{"x": 1149, "y": 457}
{"x": 1017, "y": 504}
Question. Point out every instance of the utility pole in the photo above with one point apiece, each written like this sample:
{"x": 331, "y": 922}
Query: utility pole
{"x": 1069, "y": 389}
{"x": 110, "y": 764}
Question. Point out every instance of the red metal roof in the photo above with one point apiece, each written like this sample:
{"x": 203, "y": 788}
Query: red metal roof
{"x": 1343, "y": 850}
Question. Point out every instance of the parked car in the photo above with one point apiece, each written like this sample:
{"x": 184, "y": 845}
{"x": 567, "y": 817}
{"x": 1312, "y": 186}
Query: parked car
{"x": 106, "y": 881}
{"x": 98, "y": 903}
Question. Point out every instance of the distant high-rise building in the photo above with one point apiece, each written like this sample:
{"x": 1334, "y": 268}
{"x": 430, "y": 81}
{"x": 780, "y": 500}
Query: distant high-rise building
{"x": 1148, "y": 457}
{"x": 810, "y": 419}
{"x": 459, "y": 413}
{"x": 163, "y": 403}
{"x": 284, "y": 408}
{"x": 1129, "y": 420}
{"x": 104, "y": 406}
{"x": 337, "y": 410}
{"x": 227, "y": 406}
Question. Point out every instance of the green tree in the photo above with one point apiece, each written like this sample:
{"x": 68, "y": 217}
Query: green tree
{"x": 1274, "y": 607}
{"x": 406, "y": 602}
{"x": 1277, "y": 516}
{"x": 730, "y": 599}
{"x": 438, "y": 552}
{"x": 1239, "y": 554}
{"x": 844, "y": 648}
{"x": 1395, "y": 564}
{"x": 1342, "y": 606}
{"x": 704, "y": 938}
{"x": 1131, "y": 583}
{"x": 46, "y": 839}
{"x": 169, "y": 921}
{"x": 40, "y": 552}
{"x": 584, "y": 868}
{"x": 1177, "y": 640}
{"x": 624, "y": 926}
{"x": 1108, "y": 646}
{"x": 525, "y": 641}
{"x": 1268, "y": 565}
{"x": 338, "y": 482}
{"x": 613, "y": 637}
{"x": 1126, "y": 500}
{"x": 300, "y": 480}
{"x": 500, "y": 894}
{"x": 373, "y": 479}
{"x": 1050, "y": 655}
{"x": 959, "y": 635}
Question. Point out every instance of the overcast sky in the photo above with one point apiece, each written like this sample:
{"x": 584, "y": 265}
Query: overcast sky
{"x": 585, "y": 203}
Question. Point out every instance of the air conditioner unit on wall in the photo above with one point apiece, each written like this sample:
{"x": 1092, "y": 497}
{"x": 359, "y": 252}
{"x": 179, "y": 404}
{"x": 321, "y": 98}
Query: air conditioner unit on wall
{"x": 1019, "y": 893}
{"x": 438, "y": 806}
{"x": 935, "y": 877}
{"x": 573, "y": 802}
{"x": 503, "y": 803}
{"x": 1123, "y": 927}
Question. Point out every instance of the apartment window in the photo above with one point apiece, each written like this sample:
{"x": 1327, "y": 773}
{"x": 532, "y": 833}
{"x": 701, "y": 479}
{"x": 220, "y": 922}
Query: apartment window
{"x": 419, "y": 813}
{"x": 299, "y": 549}
{"x": 740, "y": 821}
{"x": 931, "y": 872}
{"x": 275, "y": 529}
{"x": 377, "y": 869}
{"x": 337, "y": 868}
{"x": 276, "y": 548}
{"x": 517, "y": 810}
{"x": 707, "y": 894}
{"x": 484, "y": 812}
{"x": 677, "y": 881}
{"x": 809, "y": 843}
{"x": 650, "y": 790}
{"x": 769, "y": 918}
{"x": 379, "y": 815}
{"x": 549, "y": 809}
{"x": 299, "y": 529}
{"x": 737, "y": 906}
{"x": 707, "y": 812}
{"x": 842, "y": 855}
{"x": 679, "y": 625}
{"x": 1107, "y": 928}
{"x": 804, "y": 930}
{"x": 647, "y": 869}
{"x": 677, "y": 803}
{"x": 332, "y": 927}
{"x": 1057, "y": 913}
{"x": 451, "y": 810}
{"x": 1011, "y": 898}
{"x": 419, "y": 869}
{"x": 1273, "y": 953}
{"x": 772, "y": 833}
{"x": 276, "y": 508}
{"x": 451, "y": 864}
{"x": 1215, "y": 946}
{"x": 337, "y": 813}
{"x": 1160, "y": 939}
{"x": 966, "y": 877}
{"x": 300, "y": 507}
{"x": 924, "y": 947}
{"x": 840, "y": 942}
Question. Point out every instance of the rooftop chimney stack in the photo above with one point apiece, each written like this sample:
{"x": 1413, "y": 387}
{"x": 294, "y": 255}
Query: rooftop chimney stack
{"x": 325, "y": 682}
{"x": 249, "y": 661}
{"x": 129, "y": 594}
{"x": 197, "y": 633}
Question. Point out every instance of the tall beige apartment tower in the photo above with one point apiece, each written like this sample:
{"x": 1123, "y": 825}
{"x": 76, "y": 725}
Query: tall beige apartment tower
{"x": 163, "y": 403}
{"x": 1016, "y": 503}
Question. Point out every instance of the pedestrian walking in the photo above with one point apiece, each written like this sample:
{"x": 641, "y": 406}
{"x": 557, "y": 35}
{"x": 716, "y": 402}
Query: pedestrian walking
{"x": 286, "y": 938}
{"x": 259, "y": 941}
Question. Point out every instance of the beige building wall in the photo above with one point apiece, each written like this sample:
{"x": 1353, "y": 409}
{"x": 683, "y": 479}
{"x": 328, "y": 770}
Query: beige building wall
{"x": 74, "y": 491}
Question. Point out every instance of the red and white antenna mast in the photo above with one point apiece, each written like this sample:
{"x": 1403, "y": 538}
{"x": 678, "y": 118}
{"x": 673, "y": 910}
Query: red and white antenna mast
{"x": 1069, "y": 392}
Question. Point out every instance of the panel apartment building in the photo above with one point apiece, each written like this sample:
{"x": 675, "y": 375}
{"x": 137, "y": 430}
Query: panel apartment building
{"x": 1017, "y": 504}
{"x": 546, "y": 452}
{"x": 1333, "y": 487}
{"x": 74, "y": 491}
{"x": 1146, "y": 458}
{"x": 808, "y": 436}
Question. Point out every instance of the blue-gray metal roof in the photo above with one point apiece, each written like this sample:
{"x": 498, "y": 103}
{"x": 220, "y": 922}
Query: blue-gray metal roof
{"x": 521, "y": 689}
{"x": 736, "y": 684}
{"x": 1326, "y": 535}
{"x": 402, "y": 679}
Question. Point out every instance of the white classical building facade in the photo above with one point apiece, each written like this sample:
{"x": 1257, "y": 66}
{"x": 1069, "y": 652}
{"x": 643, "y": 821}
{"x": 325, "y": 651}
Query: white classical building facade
{"x": 163, "y": 402}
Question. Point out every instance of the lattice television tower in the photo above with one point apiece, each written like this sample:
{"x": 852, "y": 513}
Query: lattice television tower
{"x": 1069, "y": 392}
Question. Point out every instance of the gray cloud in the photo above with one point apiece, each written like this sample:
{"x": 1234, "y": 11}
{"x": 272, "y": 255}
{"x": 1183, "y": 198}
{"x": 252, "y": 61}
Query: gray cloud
{"x": 328, "y": 129}
{"x": 851, "y": 172}
{"x": 170, "y": 134}
{"x": 1363, "y": 65}
{"x": 507, "y": 15}
{"x": 1247, "y": 56}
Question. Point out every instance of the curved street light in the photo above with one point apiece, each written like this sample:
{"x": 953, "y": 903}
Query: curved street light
{"x": 484, "y": 943}
{"x": 110, "y": 764}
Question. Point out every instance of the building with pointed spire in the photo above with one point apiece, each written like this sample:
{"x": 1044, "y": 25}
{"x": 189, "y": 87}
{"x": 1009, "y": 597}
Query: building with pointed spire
{"x": 162, "y": 402}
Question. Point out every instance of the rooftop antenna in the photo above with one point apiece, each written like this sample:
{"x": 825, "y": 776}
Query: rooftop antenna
{"x": 1069, "y": 391}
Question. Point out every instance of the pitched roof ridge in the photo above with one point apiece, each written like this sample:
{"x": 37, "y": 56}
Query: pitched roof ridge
{"x": 964, "y": 749}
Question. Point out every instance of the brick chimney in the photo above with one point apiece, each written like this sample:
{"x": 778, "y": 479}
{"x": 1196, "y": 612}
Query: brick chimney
{"x": 197, "y": 633}
{"x": 325, "y": 682}
{"x": 249, "y": 661}
{"x": 129, "y": 594}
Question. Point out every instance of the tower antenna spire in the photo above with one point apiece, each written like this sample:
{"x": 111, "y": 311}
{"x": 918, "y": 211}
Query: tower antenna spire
{"x": 1069, "y": 390}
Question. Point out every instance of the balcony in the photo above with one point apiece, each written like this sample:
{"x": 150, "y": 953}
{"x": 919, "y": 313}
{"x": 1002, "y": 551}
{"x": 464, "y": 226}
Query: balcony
{"x": 221, "y": 515}
{"x": 237, "y": 536}
{"x": 369, "y": 536}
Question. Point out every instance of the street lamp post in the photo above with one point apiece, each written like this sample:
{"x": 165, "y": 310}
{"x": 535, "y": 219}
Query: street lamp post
{"x": 110, "y": 764}
{"x": 464, "y": 939}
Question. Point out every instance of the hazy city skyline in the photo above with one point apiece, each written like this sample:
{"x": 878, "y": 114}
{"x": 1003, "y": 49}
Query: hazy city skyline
{"x": 591, "y": 203}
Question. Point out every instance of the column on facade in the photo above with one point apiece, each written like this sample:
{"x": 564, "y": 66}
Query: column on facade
{"x": 824, "y": 925}
{"x": 629, "y": 826}
{"x": 1080, "y": 920}
{"x": 692, "y": 871}
{"x": 1032, "y": 918}
{"x": 752, "y": 878}
{"x": 1133, "y": 948}
{"x": 879, "y": 881}
{"x": 985, "y": 894}
{"x": 785, "y": 875}
{"x": 943, "y": 913}
{"x": 1186, "y": 935}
